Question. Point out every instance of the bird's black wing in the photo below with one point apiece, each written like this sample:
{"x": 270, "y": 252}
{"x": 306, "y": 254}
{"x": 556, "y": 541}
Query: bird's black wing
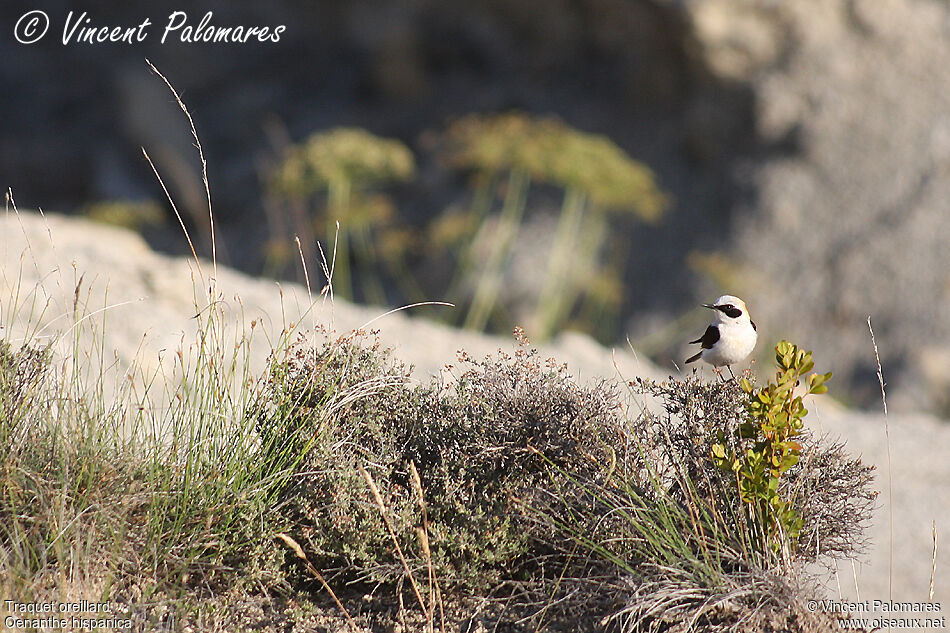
{"x": 709, "y": 337}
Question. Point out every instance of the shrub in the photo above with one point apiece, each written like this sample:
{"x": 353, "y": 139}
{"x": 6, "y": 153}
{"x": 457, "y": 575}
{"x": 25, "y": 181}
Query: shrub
{"x": 695, "y": 541}
{"x": 669, "y": 540}
{"x": 826, "y": 491}
{"x": 530, "y": 480}
{"x": 482, "y": 447}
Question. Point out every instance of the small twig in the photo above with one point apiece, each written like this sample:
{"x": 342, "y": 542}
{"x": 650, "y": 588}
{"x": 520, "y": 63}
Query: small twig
{"x": 171, "y": 201}
{"x": 890, "y": 487}
{"x": 434, "y": 594}
{"x": 204, "y": 163}
{"x": 327, "y": 290}
{"x": 392, "y": 534}
{"x": 336, "y": 244}
{"x": 854, "y": 574}
{"x": 933, "y": 564}
{"x": 327, "y": 272}
{"x": 303, "y": 263}
{"x": 401, "y": 308}
{"x": 299, "y": 553}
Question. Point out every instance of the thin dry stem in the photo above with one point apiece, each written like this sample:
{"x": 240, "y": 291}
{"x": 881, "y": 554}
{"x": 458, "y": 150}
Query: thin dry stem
{"x": 890, "y": 487}
{"x": 11, "y": 201}
{"x": 435, "y": 596}
{"x": 327, "y": 290}
{"x": 204, "y": 163}
{"x": 181, "y": 221}
{"x": 299, "y": 553}
{"x": 336, "y": 241}
{"x": 303, "y": 263}
{"x": 392, "y": 533}
{"x": 933, "y": 563}
{"x": 401, "y": 308}
{"x": 306, "y": 276}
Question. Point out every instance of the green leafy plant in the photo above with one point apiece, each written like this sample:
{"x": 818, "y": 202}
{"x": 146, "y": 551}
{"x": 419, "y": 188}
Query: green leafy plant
{"x": 766, "y": 445}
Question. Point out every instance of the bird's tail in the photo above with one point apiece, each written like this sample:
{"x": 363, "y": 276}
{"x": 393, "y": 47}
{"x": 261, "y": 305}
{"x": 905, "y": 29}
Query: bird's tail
{"x": 694, "y": 358}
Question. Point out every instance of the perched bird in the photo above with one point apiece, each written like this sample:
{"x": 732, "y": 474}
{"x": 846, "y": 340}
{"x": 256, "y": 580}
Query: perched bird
{"x": 731, "y": 337}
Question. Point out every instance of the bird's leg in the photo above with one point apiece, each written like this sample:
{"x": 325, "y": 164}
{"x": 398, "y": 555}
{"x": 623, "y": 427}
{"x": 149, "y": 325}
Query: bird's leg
{"x": 729, "y": 367}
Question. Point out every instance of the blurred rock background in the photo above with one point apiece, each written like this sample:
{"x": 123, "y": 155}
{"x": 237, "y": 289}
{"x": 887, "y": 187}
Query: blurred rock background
{"x": 803, "y": 148}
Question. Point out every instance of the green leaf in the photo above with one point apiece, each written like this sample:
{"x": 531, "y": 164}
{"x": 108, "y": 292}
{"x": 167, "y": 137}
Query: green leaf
{"x": 748, "y": 430}
{"x": 788, "y": 462}
{"x": 786, "y": 384}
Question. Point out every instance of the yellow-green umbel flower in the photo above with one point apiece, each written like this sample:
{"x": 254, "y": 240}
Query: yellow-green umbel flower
{"x": 595, "y": 174}
{"x": 552, "y": 152}
{"x": 343, "y": 155}
{"x": 592, "y": 165}
{"x": 489, "y": 143}
{"x": 345, "y": 162}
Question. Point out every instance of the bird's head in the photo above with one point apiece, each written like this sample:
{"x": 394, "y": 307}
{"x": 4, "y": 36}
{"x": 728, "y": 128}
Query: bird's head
{"x": 729, "y": 308}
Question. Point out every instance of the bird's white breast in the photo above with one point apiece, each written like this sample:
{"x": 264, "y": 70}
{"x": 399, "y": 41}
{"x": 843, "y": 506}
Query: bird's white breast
{"x": 736, "y": 342}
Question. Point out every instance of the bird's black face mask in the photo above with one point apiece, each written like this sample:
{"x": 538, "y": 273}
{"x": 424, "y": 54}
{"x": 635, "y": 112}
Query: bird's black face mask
{"x": 730, "y": 311}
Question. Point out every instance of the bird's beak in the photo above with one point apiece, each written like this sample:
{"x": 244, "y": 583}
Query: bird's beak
{"x": 710, "y": 306}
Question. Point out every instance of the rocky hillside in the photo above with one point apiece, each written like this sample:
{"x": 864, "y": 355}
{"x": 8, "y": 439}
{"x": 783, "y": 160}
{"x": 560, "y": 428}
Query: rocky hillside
{"x": 53, "y": 269}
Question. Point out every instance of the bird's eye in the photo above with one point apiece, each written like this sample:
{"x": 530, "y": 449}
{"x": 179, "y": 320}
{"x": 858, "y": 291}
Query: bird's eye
{"x": 731, "y": 311}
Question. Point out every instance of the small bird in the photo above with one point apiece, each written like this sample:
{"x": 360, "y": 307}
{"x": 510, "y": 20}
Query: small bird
{"x": 730, "y": 338}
